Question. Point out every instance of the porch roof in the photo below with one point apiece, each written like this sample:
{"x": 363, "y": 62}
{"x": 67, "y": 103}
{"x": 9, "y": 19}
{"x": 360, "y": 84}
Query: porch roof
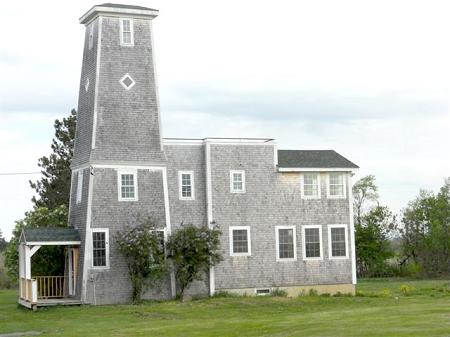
{"x": 50, "y": 236}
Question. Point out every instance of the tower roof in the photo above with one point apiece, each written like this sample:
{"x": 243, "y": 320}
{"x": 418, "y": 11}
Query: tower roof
{"x": 110, "y": 9}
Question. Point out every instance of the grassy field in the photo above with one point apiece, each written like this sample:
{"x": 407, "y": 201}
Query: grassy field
{"x": 383, "y": 308}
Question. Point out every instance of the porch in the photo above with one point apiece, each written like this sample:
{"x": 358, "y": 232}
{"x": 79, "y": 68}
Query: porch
{"x": 39, "y": 291}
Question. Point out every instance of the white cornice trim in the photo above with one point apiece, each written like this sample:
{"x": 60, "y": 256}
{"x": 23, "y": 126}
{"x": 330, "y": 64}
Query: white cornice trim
{"x": 53, "y": 243}
{"x": 315, "y": 169}
{"x": 117, "y": 12}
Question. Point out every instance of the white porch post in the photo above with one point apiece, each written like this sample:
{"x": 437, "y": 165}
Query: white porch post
{"x": 21, "y": 270}
{"x": 70, "y": 273}
{"x": 29, "y": 252}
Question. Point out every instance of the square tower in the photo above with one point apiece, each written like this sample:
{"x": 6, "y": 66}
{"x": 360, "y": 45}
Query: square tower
{"x": 119, "y": 167}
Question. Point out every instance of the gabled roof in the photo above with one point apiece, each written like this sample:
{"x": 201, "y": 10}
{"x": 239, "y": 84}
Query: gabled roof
{"x": 323, "y": 159}
{"x": 50, "y": 235}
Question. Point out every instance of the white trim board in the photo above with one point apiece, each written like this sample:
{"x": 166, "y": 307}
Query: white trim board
{"x": 315, "y": 169}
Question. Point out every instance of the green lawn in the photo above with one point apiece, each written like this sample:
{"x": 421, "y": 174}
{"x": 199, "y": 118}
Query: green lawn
{"x": 422, "y": 309}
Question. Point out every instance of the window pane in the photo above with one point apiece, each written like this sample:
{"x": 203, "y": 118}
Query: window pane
{"x": 186, "y": 185}
{"x": 286, "y": 243}
{"x": 99, "y": 249}
{"x": 127, "y": 188}
{"x": 338, "y": 246}
{"x": 238, "y": 181}
{"x": 310, "y": 184}
{"x": 240, "y": 241}
{"x": 336, "y": 184}
{"x": 312, "y": 242}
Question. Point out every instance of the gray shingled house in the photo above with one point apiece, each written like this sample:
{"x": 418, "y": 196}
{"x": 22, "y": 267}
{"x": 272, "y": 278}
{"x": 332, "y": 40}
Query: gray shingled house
{"x": 286, "y": 215}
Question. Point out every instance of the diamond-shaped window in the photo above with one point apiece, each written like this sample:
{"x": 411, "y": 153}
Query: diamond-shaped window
{"x": 127, "y": 82}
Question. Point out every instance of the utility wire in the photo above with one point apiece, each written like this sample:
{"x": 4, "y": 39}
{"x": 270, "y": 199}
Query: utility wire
{"x": 17, "y": 173}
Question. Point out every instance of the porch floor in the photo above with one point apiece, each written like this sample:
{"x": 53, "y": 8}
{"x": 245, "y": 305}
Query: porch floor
{"x": 49, "y": 302}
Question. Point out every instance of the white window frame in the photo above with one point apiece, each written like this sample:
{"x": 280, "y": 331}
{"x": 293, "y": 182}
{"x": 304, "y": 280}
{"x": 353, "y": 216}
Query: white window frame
{"x": 91, "y": 36}
{"x": 330, "y": 251}
{"x": 106, "y": 231}
{"x": 180, "y": 185}
{"x": 122, "y": 43}
{"x": 119, "y": 184}
{"x": 165, "y": 235}
{"x": 79, "y": 195}
{"x": 249, "y": 241}
{"x": 344, "y": 189}
{"x": 232, "y": 190}
{"x": 277, "y": 241}
{"x": 302, "y": 183}
{"x": 304, "y": 243}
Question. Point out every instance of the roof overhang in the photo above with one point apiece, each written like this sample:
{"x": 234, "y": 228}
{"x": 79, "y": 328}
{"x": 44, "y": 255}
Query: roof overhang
{"x": 117, "y": 12}
{"x": 52, "y": 243}
{"x": 316, "y": 169}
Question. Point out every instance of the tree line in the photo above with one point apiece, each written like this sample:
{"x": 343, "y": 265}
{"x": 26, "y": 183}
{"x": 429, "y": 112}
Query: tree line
{"x": 415, "y": 242}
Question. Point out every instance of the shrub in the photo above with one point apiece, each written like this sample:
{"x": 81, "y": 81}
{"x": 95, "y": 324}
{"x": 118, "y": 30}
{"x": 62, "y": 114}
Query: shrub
{"x": 385, "y": 293}
{"x": 312, "y": 292}
{"x": 143, "y": 250}
{"x": 277, "y": 292}
{"x": 192, "y": 251}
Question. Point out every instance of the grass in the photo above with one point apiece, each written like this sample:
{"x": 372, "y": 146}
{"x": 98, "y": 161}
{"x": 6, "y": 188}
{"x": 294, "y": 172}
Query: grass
{"x": 383, "y": 309}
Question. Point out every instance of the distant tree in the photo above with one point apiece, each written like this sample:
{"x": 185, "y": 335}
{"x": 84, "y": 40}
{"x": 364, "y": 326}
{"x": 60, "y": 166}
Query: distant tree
{"x": 143, "y": 250}
{"x": 53, "y": 188}
{"x": 426, "y": 231}
{"x": 192, "y": 251}
{"x": 47, "y": 260}
{"x": 374, "y": 228}
{"x": 3, "y": 242}
{"x": 372, "y": 237}
{"x": 365, "y": 191}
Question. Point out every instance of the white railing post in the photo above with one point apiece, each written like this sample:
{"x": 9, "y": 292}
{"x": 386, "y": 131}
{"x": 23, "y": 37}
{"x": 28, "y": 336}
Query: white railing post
{"x": 33, "y": 291}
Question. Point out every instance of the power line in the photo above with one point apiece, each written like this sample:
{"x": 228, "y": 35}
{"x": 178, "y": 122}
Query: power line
{"x": 17, "y": 173}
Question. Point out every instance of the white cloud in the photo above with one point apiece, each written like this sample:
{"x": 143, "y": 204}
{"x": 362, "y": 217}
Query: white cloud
{"x": 369, "y": 79}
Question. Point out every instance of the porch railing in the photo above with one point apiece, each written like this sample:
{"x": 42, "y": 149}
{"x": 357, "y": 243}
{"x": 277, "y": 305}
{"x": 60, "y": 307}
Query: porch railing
{"x": 28, "y": 289}
{"x": 50, "y": 286}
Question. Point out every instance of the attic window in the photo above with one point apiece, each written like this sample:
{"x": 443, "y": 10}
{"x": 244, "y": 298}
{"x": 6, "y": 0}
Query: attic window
{"x": 126, "y": 32}
{"x": 127, "y": 82}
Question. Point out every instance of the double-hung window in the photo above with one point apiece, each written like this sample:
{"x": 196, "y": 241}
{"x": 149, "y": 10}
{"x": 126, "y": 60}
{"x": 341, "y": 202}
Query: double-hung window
{"x": 240, "y": 241}
{"x": 312, "y": 242}
{"x": 126, "y": 32}
{"x": 79, "y": 194}
{"x": 337, "y": 242}
{"x": 186, "y": 185}
{"x": 286, "y": 243}
{"x": 100, "y": 248}
{"x": 310, "y": 185}
{"x": 127, "y": 183}
{"x": 237, "y": 181}
{"x": 336, "y": 185}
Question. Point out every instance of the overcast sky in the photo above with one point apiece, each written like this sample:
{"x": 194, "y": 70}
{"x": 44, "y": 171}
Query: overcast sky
{"x": 369, "y": 79}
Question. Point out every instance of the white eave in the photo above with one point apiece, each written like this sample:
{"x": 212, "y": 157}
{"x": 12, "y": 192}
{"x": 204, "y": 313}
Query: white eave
{"x": 117, "y": 12}
{"x": 316, "y": 169}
